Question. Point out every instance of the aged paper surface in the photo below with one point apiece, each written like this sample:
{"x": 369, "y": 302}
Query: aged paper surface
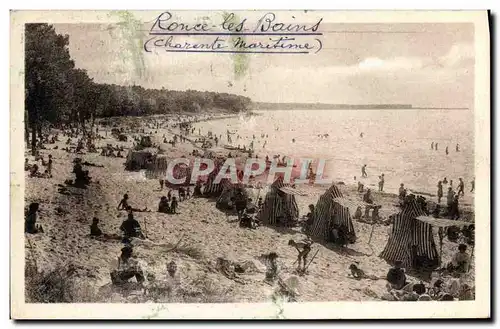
{"x": 290, "y": 164}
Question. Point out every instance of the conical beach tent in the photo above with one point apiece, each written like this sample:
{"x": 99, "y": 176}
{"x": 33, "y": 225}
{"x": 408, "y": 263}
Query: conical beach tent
{"x": 409, "y": 233}
{"x": 328, "y": 212}
{"x": 279, "y": 203}
{"x": 228, "y": 191}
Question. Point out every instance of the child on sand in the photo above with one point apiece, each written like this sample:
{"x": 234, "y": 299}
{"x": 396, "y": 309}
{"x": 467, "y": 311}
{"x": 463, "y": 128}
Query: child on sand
{"x": 173, "y": 205}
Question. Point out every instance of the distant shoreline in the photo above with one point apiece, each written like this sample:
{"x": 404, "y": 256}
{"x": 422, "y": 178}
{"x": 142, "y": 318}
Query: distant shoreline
{"x": 322, "y": 106}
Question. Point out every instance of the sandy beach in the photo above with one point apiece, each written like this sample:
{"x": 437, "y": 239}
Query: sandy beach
{"x": 199, "y": 234}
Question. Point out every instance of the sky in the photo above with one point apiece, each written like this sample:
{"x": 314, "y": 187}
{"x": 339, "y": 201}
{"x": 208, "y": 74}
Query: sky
{"x": 426, "y": 65}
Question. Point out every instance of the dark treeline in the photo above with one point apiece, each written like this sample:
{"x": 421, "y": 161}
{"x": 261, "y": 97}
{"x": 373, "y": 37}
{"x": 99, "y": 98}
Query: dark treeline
{"x": 57, "y": 94}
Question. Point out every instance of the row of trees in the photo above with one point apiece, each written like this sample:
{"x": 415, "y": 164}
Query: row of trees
{"x": 59, "y": 94}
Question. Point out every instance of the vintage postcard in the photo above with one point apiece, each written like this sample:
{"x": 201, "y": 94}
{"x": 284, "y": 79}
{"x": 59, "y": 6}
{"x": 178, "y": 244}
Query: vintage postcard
{"x": 250, "y": 164}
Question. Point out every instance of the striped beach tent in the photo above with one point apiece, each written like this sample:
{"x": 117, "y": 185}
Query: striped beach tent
{"x": 279, "y": 203}
{"x": 330, "y": 211}
{"x": 407, "y": 234}
{"x": 228, "y": 191}
{"x": 158, "y": 168}
{"x": 137, "y": 160}
{"x": 213, "y": 189}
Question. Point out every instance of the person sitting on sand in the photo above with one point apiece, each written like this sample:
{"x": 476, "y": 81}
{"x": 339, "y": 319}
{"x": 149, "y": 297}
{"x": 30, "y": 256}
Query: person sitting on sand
{"x": 375, "y": 214}
{"x": 30, "y": 219}
{"x": 94, "y": 228}
{"x": 131, "y": 227}
{"x": 246, "y": 221}
{"x": 123, "y": 205}
{"x": 27, "y": 166}
{"x": 182, "y": 194}
{"x": 339, "y": 235}
{"x": 197, "y": 189}
{"x": 360, "y": 187}
{"x": 358, "y": 214}
{"x": 460, "y": 261}
{"x": 173, "y": 205}
{"x": 367, "y": 197}
{"x": 34, "y": 171}
{"x": 436, "y": 213}
{"x": 128, "y": 268}
{"x": 163, "y": 206}
{"x": 396, "y": 276}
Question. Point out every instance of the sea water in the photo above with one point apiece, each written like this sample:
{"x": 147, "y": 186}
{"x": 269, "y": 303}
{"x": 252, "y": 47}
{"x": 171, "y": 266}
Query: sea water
{"x": 394, "y": 142}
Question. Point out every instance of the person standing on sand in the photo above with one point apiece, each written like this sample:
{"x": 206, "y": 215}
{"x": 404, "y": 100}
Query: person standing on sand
{"x": 455, "y": 213}
{"x": 436, "y": 145}
{"x": 440, "y": 191}
{"x": 472, "y": 183}
{"x": 457, "y": 148}
{"x": 173, "y": 205}
{"x": 49, "y": 165}
{"x": 381, "y": 183}
{"x": 402, "y": 193}
{"x": 449, "y": 200}
{"x": 363, "y": 171}
{"x": 461, "y": 187}
{"x": 432, "y": 146}
{"x": 446, "y": 151}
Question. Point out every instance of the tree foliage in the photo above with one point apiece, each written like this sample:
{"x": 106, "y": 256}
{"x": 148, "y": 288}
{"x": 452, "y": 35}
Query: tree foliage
{"x": 57, "y": 93}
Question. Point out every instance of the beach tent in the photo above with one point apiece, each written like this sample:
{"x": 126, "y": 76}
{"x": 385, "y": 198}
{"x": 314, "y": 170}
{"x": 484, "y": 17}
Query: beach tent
{"x": 279, "y": 201}
{"x": 443, "y": 223}
{"x": 213, "y": 189}
{"x": 407, "y": 234}
{"x": 228, "y": 191}
{"x": 331, "y": 209}
{"x": 137, "y": 160}
{"x": 157, "y": 169}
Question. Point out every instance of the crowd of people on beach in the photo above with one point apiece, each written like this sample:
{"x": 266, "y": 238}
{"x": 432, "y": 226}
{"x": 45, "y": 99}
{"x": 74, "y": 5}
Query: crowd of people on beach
{"x": 244, "y": 208}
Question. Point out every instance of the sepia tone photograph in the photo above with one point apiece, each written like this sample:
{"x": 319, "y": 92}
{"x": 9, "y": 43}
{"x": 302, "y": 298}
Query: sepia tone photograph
{"x": 288, "y": 157}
